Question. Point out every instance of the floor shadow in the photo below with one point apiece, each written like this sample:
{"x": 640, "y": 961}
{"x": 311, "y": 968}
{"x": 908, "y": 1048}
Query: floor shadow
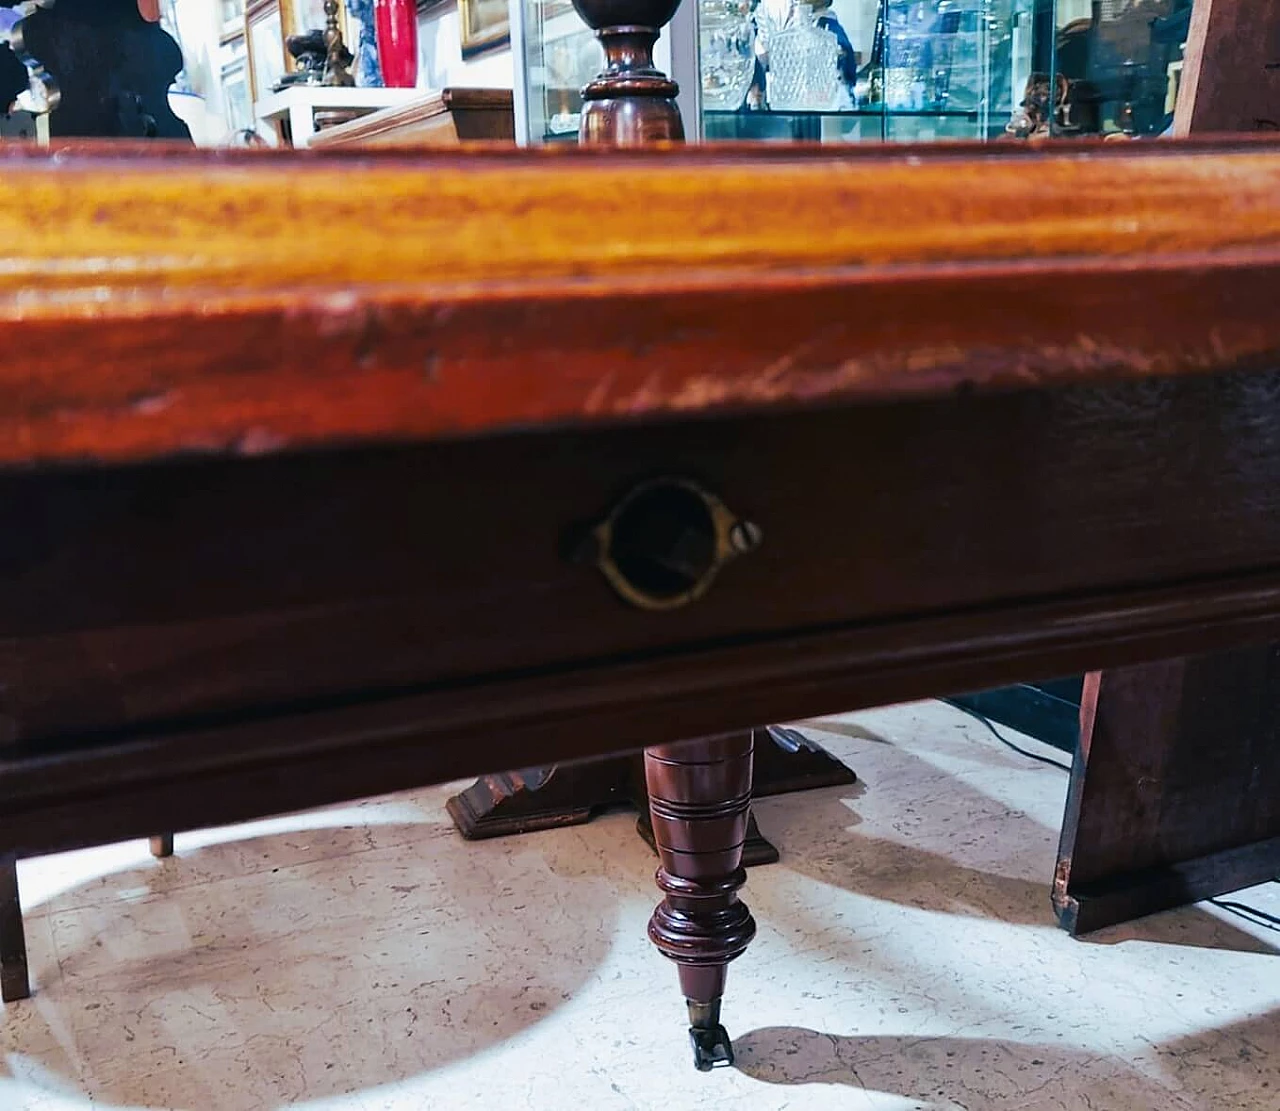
{"x": 982, "y": 873}
{"x": 845, "y": 728}
{"x": 1003, "y": 1075}
{"x": 1204, "y": 1071}
{"x": 367, "y": 969}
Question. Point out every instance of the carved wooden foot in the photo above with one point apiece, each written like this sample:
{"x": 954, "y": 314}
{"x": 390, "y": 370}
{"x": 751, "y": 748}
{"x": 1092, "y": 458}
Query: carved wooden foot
{"x": 162, "y": 845}
{"x": 567, "y": 795}
{"x": 14, "y": 983}
{"x": 540, "y": 798}
{"x": 699, "y": 800}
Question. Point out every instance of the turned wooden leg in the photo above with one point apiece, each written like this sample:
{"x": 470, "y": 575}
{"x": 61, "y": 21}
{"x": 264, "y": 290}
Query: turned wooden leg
{"x": 14, "y": 983}
{"x": 162, "y": 845}
{"x": 699, "y": 801}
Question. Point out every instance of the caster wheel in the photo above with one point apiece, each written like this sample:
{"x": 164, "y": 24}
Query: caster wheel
{"x": 711, "y": 1048}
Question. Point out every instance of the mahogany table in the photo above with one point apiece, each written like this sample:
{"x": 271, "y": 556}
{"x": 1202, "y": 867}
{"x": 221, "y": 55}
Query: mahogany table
{"x": 556, "y": 455}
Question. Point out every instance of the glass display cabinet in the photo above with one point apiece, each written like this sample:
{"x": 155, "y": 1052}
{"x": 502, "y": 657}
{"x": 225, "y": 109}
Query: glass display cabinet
{"x": 878, "y": 70}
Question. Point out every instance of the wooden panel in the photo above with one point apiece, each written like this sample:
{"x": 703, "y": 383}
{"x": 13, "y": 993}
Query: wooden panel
{"x": 102, "y": 788}
{"x": 1174, "y": 797}
{"x": 1173, "y": 792}
{"x": 442, "y": 119}
{"x": 470, "y": 292}
{"x": 290, "y": 627}
{"x": 1231, "y": 78}
{"x": 154, "y": 593}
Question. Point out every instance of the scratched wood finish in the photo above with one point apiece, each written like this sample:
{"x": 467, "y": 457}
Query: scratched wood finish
{"x": 1231, "y": 75}
{"x": 476, "y": 291}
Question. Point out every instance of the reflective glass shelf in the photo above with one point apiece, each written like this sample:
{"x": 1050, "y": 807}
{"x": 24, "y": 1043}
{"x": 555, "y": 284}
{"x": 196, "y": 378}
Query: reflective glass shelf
{"x": 846, "y": 113}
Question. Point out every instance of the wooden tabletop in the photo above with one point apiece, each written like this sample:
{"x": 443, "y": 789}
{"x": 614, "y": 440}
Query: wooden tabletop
{"x": 168, "y": 302}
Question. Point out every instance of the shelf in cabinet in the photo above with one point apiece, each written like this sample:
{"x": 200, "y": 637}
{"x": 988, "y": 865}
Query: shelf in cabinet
{"x": 970, "y": 114}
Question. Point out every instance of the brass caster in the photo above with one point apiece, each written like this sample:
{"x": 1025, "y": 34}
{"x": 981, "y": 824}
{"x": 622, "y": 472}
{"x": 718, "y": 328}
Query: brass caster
{"x": 711, "y": 1047}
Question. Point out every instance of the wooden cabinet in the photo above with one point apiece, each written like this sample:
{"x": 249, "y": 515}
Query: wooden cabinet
{"x": 441, "y": 119}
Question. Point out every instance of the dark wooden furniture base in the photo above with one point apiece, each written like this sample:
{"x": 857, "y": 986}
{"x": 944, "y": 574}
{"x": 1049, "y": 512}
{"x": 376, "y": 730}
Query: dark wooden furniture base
{"x": 699, "y": 801}
{"x": 242, "y": 575}
{"x": 14, "y": 981}
{"x": 1175, "y": 791}
{"x": 546, "y": 798}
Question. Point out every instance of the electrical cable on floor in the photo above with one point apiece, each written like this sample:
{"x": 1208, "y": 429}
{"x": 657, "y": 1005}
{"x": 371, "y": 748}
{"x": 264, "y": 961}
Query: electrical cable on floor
{"x": 1252, "y": 915}
{"x": 1008, "y": 743}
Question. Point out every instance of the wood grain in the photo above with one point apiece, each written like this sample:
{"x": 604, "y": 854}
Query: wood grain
{"x": 479, "y": 291}
{"x": 135, "y": 596}
{"x": 442, "y": 119}
{"x": 1173, "y": 798}
{"x": 1231, "y": 77}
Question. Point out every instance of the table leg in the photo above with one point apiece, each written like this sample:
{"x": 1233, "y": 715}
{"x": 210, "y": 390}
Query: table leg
{"x": 699, "y": 801}
{"x": 14, "y": 983}
{"x": 534, "y": 799}
{"x": 162, "y": 845}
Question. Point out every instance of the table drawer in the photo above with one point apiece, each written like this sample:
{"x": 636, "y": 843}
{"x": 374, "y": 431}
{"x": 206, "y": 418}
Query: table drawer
{"x": 215, "y": 587}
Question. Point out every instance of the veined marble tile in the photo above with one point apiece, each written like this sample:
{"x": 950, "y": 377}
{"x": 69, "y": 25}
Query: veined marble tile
{"x": 93, "y": 876}
{"x": 368, "y": 959}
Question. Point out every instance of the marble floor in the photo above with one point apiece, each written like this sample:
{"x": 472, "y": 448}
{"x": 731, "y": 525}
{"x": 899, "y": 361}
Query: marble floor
{"x": 366, "y": 959}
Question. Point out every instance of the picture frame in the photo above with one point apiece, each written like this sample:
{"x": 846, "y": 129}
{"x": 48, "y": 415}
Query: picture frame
{"x": 482, "y": 25}
{"x": 264, "y": 44}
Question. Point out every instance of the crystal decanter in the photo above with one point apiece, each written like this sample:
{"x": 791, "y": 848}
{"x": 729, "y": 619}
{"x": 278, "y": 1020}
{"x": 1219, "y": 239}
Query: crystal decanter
{"x": 804, "y": 74}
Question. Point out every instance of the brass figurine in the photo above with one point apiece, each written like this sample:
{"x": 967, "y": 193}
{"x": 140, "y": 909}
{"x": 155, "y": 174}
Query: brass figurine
{"x": 338, "y": 59}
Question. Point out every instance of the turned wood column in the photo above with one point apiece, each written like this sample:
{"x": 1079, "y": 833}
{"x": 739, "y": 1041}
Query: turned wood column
{"x": 631, "y": 102}
{"x": 699, "y": 791}
{"x": 699, "y": 801}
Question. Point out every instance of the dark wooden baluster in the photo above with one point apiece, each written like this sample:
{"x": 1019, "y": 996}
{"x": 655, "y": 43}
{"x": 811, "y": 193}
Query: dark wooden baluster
{"x": 631, "y": 102}
{"x": 699, "y": 800}
{"x": 699, "y": 791}
{"x": 14, "y": 983}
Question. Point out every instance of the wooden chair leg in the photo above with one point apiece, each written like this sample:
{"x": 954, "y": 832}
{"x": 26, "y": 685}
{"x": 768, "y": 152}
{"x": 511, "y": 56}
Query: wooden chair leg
{"x": 162, "y": 845}
{"x": 14, "y": 982}
{"x": 699, "y": 801}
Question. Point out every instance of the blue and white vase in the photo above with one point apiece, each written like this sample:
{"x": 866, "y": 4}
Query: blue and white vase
{"x": 368, "y": 71}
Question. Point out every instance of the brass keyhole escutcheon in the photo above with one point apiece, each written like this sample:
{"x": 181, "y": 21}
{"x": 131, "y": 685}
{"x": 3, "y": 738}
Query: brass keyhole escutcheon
{"x": 663, "y": 544}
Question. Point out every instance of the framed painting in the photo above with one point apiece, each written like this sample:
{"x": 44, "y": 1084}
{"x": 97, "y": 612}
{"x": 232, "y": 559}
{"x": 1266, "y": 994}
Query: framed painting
{"x": 482, "y": 25}
{"x": 264, "y": 44}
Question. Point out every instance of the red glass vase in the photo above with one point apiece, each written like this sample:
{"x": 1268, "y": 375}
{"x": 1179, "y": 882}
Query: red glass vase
{"x": 396, "y": 22}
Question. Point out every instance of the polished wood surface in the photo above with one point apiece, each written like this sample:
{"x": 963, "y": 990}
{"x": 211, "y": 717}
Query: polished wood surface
{"x": 292, "y": 519}
{"x": 699, "y": 803}
{"x": 629, "y": 103}
{"x": 1118, "y": 262}
{"x": 443, "y": 119}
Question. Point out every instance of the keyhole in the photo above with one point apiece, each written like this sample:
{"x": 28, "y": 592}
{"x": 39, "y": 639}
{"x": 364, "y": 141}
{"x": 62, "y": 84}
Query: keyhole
{"x": 664, "y": 541}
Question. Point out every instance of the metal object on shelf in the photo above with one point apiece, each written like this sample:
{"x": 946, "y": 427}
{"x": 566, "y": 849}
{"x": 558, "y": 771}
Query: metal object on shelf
{"x": 42, "y": 94}
{"x": 337, "y": 69}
